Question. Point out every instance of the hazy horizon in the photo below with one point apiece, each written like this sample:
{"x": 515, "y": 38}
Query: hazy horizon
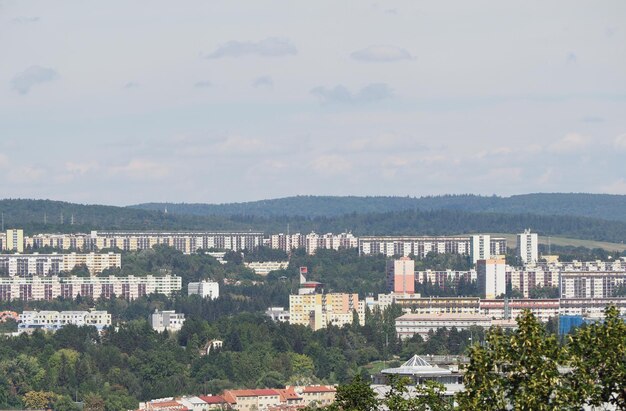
{"x": 126, "y": 103}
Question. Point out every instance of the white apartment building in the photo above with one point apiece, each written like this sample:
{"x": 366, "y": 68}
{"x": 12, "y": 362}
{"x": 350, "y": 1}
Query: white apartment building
{"x": 590, "y": 284}
{"x": 440, "y": 278}
{"x": 528, "y": 247}
{"x": 529, "y": 277}
{"x": 38, "y": 288}
{"x": 54, "y": 320}
{"x": 186, "y": 242}
{"x": 408, "y": 325}
{"x": 590, "y": 307}
{"x": 543, "y": 309}
{"x": 421, "y": 246}
{"x": 167, "y": 320}
{"x": 265, "y": 267}
{"x": 491, "y": 275}
{"x": 205, "y": 289}
{"x": 79, "y": 242}
{"x": 615, "y": 265}
{"x": 480, "y": 247}
{"x": 312, "y": 242}
{"x": 26, "y": 265}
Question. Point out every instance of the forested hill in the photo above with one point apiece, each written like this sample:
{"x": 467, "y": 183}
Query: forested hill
{"x": 53, "y": 216}
{"x": 603, "y": 206}
{"x": 29, "y": 214}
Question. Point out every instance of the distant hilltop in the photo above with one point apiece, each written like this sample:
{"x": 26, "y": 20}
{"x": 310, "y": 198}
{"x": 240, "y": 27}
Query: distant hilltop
{"x": 603, "y": 206}
{"x": 597, "y": 217}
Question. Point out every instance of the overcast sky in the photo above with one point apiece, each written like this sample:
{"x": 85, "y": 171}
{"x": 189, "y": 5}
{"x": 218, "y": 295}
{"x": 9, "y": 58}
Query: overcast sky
{"x": 121, "y": 102}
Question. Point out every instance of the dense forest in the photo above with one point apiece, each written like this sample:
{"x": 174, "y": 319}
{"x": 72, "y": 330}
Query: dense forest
{"x": 30, "y": 215}
{"x": 130, "y": 362}
{"x": 603, "y": 206}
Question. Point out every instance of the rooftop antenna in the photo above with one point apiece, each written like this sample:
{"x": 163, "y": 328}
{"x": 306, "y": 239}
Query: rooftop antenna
{"x": 72, "y": 220}
{"x": 45, "y": 218}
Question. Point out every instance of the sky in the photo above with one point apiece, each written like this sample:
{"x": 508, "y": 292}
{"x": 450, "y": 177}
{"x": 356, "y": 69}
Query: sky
{"x": 123, "y": 102}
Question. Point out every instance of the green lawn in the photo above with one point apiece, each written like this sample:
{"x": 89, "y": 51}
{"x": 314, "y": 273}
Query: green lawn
{"x": 562, "y": 241}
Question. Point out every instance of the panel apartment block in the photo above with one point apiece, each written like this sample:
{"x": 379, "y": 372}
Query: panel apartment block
{"x": 47, "y": 288}
{"x": 421, "y": 246}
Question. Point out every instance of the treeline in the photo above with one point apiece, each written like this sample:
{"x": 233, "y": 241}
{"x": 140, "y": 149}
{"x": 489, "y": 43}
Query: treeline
{"x": 131, "y": 362}
{"x": 602, "y": 206}
{"x": 524, "y": 370}
{"x": 29, "y": 214}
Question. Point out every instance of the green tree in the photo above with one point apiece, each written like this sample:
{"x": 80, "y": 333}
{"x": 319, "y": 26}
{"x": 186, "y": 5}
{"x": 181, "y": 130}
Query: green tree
{"x": 355, "y": 396}
{"x": 93, "y": 402}
{"x": 39, "y": 399}
{"x": 427, "y": 397}
{"x": 520, "y": 370}
{"x": 599, "y": 361}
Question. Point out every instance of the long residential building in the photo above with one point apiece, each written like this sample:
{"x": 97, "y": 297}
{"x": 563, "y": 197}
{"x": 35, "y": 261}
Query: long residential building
{"x": 542, "y": 308}
{"x": 421, "y": 246}
{"x": 55, "y": 320}
{"x": 527, "y": 278}
{"x": 26, "y": 265}
{"x": 47, "y": 288}
{"x": 312, "y": 242}
{"x": 445, "y": 278}
{"x": 186, "y": 242}
{"x": 409, "y": 325}
{"x": 590, "y": 284}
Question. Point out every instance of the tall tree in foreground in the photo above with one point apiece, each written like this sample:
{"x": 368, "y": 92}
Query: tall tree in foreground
{"x": 598, "y": 353}
{"x": 517, "y": 371}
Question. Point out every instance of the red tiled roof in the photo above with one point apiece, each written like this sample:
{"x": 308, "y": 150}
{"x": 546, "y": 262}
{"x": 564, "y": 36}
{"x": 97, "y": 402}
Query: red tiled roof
{"x": 319, "y": 388}
{"x": 253, "y": 393}
{"x": 288, "y": 394}
{"x": 213, "y": 399}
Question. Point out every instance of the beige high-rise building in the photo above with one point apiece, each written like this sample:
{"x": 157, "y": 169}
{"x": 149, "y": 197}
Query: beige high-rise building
{"x": 15, "y": 240}
{"x": 320, "y": 310}
{"x": 491, "y": 277}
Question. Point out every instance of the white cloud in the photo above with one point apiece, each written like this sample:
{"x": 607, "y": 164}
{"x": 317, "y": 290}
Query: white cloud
{"x": 26, "y": 174}
{"x": 570, "y": 143}
{"x": 131, "y": 85}
{"x": 142, "y": 169}
{"x": 81, "y": 168}
{"x": 24, "y": 81}
{"x": 494, "y": 152}
{"x": 620, "y": 142}
{"x": 371, "y": 93}
{"x": 385, "y": 142}
{"x": 269, "y": 47}
{"x": 331, "y": 164}
{"x": 242, "y": 145}
{"x": 616, "y": 187}
{"x": 381, "y": 54}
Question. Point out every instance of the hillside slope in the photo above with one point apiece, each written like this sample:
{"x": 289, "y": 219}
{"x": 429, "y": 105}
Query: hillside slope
{"x": 602, "y": 206}
{"x": 29, "y": 214}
